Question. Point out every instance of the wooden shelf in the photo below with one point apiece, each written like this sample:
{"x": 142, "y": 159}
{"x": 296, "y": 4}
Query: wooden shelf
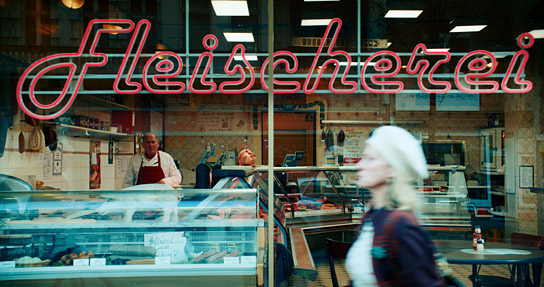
{"x": 492, "y": 172}
{"x": 105, "y": 102}
{"x": 91, "y": 132}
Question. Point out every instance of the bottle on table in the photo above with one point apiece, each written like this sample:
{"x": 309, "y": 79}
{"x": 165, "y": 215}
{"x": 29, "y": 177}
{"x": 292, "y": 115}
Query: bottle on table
{"x": 480, "y": 245}
{"x": 477, "y": 235}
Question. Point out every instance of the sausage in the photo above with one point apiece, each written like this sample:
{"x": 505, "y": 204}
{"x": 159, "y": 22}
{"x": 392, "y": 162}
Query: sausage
{"x": 216, "y": 257}
{"x": 205, "y": 255}
{"x": 133, "y": 250}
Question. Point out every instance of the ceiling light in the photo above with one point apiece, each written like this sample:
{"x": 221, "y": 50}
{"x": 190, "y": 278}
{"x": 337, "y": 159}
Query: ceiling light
{"x": 248, "y": 57}
{"x": 230, "y": 8}
{"x": 315, "y": 22}
{"x": 73, "y": 4}
{"x": 537, "y": 34}
{"x": 499, "y": 55}
{"x": 403, "y": 13}
{"x": 438, "y": 50}
{"x": 389, "y": 44}
{"x": 160, "y": 57}
{"x": 355, "y": 64}
{"x": 468, "y": 28}
{"x": 112, "y": 27}
{"x": 239, "y": 36}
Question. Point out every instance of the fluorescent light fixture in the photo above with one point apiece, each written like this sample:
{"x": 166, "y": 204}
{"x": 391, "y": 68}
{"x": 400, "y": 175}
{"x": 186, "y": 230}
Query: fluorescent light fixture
{"x": 537, "y": 34}
{"x": 239, "y": 36}
{"x": 403, "y": 13}
{"x": 248, "y": 57}
{"x": 355, "y": 64}
{"x": 315, "y": 22}
{"x": 500, "y": 55}
{"x": 467, "y": 28}
{"x": 438, "y": 50}
{"x": 230, "y": 8}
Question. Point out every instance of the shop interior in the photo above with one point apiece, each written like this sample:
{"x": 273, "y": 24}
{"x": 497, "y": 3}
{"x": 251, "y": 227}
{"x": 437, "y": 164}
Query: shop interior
{"x": 484, "y": 149}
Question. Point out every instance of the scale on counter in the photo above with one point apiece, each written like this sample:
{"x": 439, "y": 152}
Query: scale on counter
{"x": 293, "y": 159}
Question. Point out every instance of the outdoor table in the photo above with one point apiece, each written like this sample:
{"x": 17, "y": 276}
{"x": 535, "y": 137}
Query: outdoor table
{"x": 461, "y": 252}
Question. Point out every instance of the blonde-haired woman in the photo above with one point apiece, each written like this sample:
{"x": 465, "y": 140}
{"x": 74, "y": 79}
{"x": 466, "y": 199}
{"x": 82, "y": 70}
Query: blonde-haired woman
{"x": 392, "y": 249}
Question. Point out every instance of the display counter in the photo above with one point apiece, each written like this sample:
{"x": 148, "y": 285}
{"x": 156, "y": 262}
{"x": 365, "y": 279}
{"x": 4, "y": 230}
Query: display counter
{"x": 150, "y": 236}
{"x": 327, "y": 199}
{"x": 321, "y": 195}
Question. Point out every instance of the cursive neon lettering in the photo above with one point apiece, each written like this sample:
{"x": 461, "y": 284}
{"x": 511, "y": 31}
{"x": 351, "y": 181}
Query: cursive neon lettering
{"x": 291, "y": 69}
{"x": 66, "y": 60}
{"x": 210, "y": 43}
{"x": 232, "y": 70}
{"x": 422, "y": 65}
{"x": 383, "y": 65}
{"x": 479, "y": 63}
{"x": 164, "y": 66}
{"x": 142, "y": 28}
{"x": 162, "y": 71}
{"x": 521, "y": 56}
{"x": 311, "y": 87}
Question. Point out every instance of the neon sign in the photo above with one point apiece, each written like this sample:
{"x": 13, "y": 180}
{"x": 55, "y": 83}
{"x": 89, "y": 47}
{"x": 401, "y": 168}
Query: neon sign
{"x": 168, "y": 66}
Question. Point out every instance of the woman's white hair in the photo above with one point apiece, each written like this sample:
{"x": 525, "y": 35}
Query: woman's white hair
{"x": 401, "y": 194}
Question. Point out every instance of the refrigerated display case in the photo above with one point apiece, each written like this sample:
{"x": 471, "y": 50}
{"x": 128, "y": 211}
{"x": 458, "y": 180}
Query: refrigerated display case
{"x": 205, "y": 237}
{"x": 325, "y": 194}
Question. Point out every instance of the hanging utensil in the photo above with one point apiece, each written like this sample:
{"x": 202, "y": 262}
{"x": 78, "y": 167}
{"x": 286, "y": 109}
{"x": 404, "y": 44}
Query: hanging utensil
{"x": 21, "y": 142}
{"x": 329, "y": 141}
{"x": 341, "y": 137}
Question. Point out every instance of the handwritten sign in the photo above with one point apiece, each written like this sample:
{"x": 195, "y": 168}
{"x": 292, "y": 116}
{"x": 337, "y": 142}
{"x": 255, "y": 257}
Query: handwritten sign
{"x": 7, "y": 264}
{"x": 97, "y": 262}
{"x": 81, "y": 262}
{"x": 248, "y": 260}
{"x": 168, "y": 244}
{"x": 413, "y": 102}
{"x": 353, "y": 147}
{"x": 458, "y": 102}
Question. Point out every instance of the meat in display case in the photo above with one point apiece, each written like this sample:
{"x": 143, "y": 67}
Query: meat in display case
{"x": 153, "y": 235}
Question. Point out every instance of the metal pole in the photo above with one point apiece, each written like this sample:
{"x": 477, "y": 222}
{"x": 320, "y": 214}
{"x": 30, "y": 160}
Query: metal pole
{"x": 271, "y": 144}
{"x": 187, "y": 42}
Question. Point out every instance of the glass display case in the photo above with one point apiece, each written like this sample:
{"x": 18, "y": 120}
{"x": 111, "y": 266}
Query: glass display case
{"x": 244, "y": 177}
{"x": 317, "y": 192}
{"x": 211, "y": 236}
{"x": 445, "y": 206}
{"x": 312, "y": 191}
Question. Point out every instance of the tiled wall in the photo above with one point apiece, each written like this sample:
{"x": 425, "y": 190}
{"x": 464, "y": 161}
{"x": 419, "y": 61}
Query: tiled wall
{"x": 75, "y": 162}
{"x": 519, "y": 124}
{"x": 191, "y": 126}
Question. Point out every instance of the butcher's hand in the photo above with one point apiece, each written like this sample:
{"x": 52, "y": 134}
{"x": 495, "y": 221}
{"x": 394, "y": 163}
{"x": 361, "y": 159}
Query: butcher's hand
{"x": 161, "y": 182}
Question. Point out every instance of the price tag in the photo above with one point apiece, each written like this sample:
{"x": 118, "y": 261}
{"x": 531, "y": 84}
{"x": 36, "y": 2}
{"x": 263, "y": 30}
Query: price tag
{"x": 81, "y": 262}
{"x": 98, "y": 262}
{"x": 231, "y": 260}
{"x": 7, "y": 264}
{"x": 165, "y": 260}
{"x": 249, "y": 260}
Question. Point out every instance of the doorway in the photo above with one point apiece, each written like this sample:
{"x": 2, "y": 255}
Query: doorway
{"x": 293, "y": 131}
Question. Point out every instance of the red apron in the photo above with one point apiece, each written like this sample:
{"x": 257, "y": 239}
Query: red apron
{"x": 150, "y": 174}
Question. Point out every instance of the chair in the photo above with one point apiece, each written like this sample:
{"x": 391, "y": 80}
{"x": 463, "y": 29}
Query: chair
{"x": 498, "y": 281}
{"x": 336, "y": 249}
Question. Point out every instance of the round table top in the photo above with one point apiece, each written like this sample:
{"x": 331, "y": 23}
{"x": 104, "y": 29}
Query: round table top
{"x": 457, "y": 252}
